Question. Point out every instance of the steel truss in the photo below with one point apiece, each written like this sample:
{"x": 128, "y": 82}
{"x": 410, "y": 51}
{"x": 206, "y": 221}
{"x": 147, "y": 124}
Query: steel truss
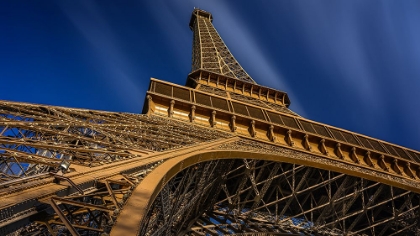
{"x": 210, "y": 52}
{"x": 185, "y": 198}
{"x": 87, "y": 212}
{"x": 294, "y": 177}
{"x": 264, "y": 196}
{"x": 36, "y": 139}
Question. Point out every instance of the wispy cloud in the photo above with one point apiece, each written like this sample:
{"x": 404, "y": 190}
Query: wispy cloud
{"x": 335, "y": 39}
{"x": 251, "y": 53}
{"x": 117, "y": 70}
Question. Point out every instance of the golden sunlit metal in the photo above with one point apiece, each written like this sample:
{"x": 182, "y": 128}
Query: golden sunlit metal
{"x": 221, "y": 155}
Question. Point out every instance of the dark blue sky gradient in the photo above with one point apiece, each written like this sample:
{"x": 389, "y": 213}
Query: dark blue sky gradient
{"x": 351, "y": 64}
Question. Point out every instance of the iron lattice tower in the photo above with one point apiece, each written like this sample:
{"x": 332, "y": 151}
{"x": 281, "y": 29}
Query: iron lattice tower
{"x": 221, "y": 155}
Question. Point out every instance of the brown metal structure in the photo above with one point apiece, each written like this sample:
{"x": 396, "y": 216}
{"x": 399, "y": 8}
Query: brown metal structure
{"x": 219, "y": 156}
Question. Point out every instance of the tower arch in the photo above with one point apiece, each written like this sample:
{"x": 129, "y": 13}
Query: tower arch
{"x": 228, "y": 190}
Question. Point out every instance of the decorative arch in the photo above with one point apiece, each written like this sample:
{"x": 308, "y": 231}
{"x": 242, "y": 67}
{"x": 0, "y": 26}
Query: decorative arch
{"x": 359, "y": 192}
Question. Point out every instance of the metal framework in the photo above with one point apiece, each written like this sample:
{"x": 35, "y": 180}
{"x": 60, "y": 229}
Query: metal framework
{"x": 219, "y": 156}
{"x": 210, "y": 52}
{"x": 262, "y": 196}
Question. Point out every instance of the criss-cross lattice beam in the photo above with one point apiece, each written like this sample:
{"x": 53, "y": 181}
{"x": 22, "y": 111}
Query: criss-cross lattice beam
{"x": 259, "y": 195}
{"x": 35, "y": 139}
{"x": 317, "y": 216}
{"x": 210, "y": 52}
{"x": 188, "y": 191}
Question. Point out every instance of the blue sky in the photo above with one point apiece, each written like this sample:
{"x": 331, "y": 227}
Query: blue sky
{"x": 351, "y": 64}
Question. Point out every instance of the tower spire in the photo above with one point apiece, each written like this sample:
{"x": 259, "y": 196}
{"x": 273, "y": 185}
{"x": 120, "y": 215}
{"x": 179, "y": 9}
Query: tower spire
{"x": 210, "y": 53}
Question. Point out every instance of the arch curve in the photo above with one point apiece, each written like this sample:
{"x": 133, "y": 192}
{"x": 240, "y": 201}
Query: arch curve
{"x": 141, "y": 202}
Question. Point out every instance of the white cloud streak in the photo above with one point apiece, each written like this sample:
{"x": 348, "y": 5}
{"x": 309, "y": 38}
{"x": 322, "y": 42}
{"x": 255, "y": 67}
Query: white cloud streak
{"x": 345, "y": 47}
{"x": 90, "y": 22}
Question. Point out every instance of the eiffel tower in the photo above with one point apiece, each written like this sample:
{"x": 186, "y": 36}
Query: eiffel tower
{"x": 221, "y": 155}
